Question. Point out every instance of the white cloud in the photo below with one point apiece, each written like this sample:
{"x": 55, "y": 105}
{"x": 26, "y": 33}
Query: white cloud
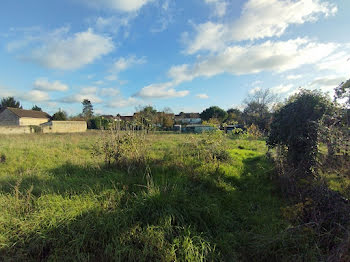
{"x": 6, "y": 91}
{"x": 85, "y": 93}
{"x": 64, "y": 51}
{"x": 259, "y": 19}
{"x": 294, "y": 77}
{"x": 113, "y": 24}
{"x": 219, "y": 6}
{"x": 282, "y": 89}
{"x": 257, "y": 82}
{"x": 254, "y": 90}
{"x": 125, "y": 63}
{"x": 338, "y": 62}
{"x": 35, "y": 96}
{"x": 30, "y": 96}
{"x": 202, "y": 96}
{"x": 327, "y": 83}
{"x": 163, "y": 90}
{"x": 111, "y": 77}
{"x": 209, "y": 36}
{"x": 268, "y": 56}
{"x": 43, "y": 84}
{"x": 109, "y": 92}
{"x": 78, "y": 98}
{"x": 89, "y": 90}
{"x": 166, "y": 16}
{"x": 122, "y": 102}
{"x": 117, "y": 5}
{"x": 91, "y": 76}
{"x": 99, "y": 82}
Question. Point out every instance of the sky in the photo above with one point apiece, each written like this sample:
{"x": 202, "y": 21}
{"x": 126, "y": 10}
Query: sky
{"x": 183, "y": 54}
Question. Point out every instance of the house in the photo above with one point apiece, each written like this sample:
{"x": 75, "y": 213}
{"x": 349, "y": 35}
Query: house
{"x": 109, "y": 117}
{"x": 188, "y": 118}
{"x": 127, "y": 118}
{"x": 19, "y": 117}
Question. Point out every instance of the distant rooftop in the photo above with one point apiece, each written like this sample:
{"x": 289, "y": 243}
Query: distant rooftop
{"x": 28, "y": 113}
{"x": 188, "y": 115}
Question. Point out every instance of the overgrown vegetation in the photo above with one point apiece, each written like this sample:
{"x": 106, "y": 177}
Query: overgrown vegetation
{"x": 196, "y": 198}
{"x": 297, "y": 130}
{"x": 139, "y": 195}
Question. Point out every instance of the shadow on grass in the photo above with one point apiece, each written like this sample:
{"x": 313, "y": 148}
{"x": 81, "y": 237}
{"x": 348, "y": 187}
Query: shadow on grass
{"x": 171, "y": 213}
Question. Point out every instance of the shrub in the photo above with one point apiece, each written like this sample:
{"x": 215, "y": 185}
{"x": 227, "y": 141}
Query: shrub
{"x": 36, "y": 129}
{"x": 208, "y": 147}
{"x": 254, "y": 132}
{"x": 125, "y": 150}
{"x": 295, "y": 132}
{"x": 296, "y": 127}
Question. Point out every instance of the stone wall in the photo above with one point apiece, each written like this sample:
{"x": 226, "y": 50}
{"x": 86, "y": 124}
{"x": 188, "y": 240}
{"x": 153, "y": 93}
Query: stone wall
{"x": 7, "y": 118}
{"x": 28, "y": 121}
{"x": 16, "y": 130}
{"x": 64, "y": 127}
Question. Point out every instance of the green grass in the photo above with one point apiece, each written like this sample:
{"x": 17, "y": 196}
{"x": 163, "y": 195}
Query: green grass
{"x": 59, "y": 203}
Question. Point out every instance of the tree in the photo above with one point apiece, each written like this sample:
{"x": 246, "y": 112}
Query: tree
{"x": 214, "y": 112}
{"x": 234, "y": 115}
{"x": 147, "y": 117}
{"x": 340, "y": 122}
{"x": 100, "y": 122}
{"x": 165, "y": 119}
{"x": 343, "y": 92}
{"x": 59, "y": 116}
{"x": 257, "y": 108}
{"x": 88, "y": 109}
{"x": 36, "y": 108}
{"x": 10, "y": 102}
{"x": 257, "y": 114}
{"x": 296, "y": 125}
{"x": 264, "y": 97}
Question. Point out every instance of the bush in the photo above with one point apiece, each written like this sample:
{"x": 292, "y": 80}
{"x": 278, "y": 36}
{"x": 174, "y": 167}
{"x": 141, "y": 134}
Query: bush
{"x": 295, "y": 132}
{"x": 296, "y": 127}
{"x": 207, "y": 147}
{"x": 124, "y": 150}
{"x": 59, "y": 116}
{"x": 36, "y": 129}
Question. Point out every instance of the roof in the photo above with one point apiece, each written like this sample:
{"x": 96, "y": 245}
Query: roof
{"x": 127, "y": 118}
{"x": 167, "y": 114}
{"x": 108, "y": 116}
{"x": 188, "y": 115}
{"x": 28, "y": 113}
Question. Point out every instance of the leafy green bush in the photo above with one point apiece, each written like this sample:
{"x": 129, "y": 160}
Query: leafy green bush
{"x": 296, "y": 127}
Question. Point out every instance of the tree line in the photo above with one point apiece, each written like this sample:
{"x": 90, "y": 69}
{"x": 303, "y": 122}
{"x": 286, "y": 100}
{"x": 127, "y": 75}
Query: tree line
{"x": 259, "y": 111}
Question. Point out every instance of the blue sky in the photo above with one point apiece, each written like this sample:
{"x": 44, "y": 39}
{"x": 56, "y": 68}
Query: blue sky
{"x": 186, "y": 55}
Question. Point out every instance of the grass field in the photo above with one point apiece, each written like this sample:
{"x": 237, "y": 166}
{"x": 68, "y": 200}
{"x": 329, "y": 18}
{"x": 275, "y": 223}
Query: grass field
{"x": 58, "y": 202}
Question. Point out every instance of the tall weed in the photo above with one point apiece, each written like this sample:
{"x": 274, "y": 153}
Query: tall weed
{"x": 125, "y": 150}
